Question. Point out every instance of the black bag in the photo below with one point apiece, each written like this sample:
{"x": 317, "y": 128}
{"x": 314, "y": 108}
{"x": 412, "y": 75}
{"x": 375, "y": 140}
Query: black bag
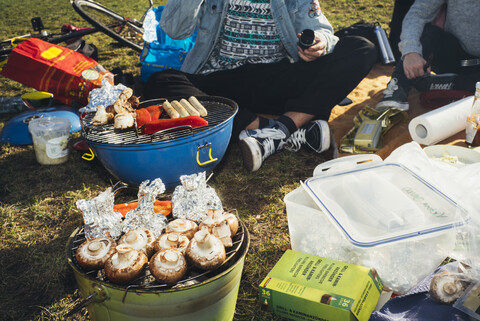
{"x": 81, "y": 46}
{"x": 362, "y": 29}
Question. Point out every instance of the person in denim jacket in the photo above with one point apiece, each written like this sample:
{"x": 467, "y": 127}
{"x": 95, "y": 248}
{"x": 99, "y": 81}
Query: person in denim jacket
{"x": 247, "y": 50}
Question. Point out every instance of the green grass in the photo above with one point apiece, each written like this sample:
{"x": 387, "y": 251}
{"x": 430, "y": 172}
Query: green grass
{"x": 37, "y": 203}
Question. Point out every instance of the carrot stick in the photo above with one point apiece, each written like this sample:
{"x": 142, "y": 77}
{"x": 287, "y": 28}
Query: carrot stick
{"x": 162, "y": 207}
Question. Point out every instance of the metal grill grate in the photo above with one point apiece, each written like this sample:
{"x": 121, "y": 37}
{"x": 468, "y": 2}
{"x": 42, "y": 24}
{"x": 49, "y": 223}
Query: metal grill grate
{"x": 219, "y": 111}
{"x": 147, "y": 282}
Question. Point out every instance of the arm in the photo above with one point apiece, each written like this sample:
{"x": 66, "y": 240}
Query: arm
{"x": 420, "y": 13}
{"x": 179, "y": 19}
{"x": 313, "y": 52}
{"x": 310, "y": 16}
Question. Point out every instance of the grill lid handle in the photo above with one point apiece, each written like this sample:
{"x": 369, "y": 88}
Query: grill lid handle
{"x": 211, "y": 159}
{"x": 82, "y": 304}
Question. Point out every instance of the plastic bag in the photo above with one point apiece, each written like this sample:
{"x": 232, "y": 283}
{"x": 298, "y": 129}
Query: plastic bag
{"x": 403, "y": 264}
{"x": 160, "y": 51}
{"x": 469, "y": 301}
{"x": 461, "y": 184}
{"x": 389, "y": 118}
{"x": 449, "y": 282}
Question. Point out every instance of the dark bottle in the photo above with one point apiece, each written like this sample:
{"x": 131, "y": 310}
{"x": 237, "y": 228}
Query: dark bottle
{"x": 307, "y": 39}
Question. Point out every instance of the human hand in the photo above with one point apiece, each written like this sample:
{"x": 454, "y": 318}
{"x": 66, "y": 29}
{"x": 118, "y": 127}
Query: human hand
{"x": 313, "y": 52}
{"x": 413, "y": 65}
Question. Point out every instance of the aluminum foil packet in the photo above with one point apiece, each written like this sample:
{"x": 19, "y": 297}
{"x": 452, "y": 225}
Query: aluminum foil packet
{"x": 194, "y": 197}
{"x": 105, "y": 95}
{"x": 99, "y": 217}
{"x": 144, "y": 216}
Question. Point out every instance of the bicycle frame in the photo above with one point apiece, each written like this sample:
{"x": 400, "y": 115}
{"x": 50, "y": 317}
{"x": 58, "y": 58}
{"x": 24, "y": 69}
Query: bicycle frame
{"x": 49, "y": 37}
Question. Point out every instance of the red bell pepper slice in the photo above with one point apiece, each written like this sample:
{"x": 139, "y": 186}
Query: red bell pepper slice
{"x": 148, "y": 114}
{"x": 155, "y": 111}
{"x": 161, "y": 124}
{"x": 143, "y": 117}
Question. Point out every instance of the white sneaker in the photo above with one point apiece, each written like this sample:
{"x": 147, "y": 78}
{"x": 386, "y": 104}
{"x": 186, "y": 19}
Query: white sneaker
{"x": 394, "y": 96}
{"x": 257, "y": 145}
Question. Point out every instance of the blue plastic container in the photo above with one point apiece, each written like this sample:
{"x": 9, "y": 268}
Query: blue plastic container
{"x": 16, "y": 132}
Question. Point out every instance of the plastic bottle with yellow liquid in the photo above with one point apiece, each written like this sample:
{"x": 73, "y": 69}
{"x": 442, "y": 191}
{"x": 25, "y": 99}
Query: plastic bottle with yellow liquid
{"x": 472, "y": 131}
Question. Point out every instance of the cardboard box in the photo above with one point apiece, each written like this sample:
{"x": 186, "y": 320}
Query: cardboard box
{"x": 308, "y": 287}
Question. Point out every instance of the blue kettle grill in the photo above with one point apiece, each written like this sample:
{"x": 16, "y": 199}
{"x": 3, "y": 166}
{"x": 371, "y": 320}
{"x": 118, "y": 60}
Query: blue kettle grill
{"x": 133, "y": 158}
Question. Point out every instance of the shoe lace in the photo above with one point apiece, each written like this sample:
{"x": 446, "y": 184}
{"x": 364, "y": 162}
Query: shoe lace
{"x": 296, "y": 140}
{"x": 391, "y": 88}
{"x": 268, "y": 148}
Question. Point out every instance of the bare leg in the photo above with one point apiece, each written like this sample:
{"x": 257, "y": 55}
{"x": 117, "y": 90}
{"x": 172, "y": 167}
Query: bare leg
{"x": 298, "y": 118}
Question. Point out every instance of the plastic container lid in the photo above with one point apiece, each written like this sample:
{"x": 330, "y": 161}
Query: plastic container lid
{"x": 16, "y": 130}
{"x": 383, "y": 203}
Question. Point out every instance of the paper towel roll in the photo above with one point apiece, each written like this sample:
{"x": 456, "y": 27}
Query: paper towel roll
{"x": 441, "y": 123}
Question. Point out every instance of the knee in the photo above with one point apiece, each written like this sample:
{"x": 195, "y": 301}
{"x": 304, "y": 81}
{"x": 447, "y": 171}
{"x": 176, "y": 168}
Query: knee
{"x": 158, "y": 82}
{"x": 163, "y": 76}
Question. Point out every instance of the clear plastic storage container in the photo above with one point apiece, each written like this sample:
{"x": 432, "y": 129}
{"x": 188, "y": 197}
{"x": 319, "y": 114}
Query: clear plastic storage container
{"x": 381, "y": 215}
{"x": 50, "y": 137}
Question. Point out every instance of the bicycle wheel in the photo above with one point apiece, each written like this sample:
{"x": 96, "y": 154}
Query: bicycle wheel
{"x": 127, "y": 31}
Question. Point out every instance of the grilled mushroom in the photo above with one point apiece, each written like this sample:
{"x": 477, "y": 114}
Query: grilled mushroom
{"x": 217, "y": 223}
{"x": 93, "y": 254}
{"x": 140, "y": 239}
{"x": 232, "y": 221}
{"x": 102, "y": 117}
{"x": 168, "y": 266}
{"x": 447, "y": 287}
{"x": 124, "y": 120}
{"x": 206, "y": 251}
{"x": 122, "y": 105}
{"x": 172, "y": 241}
{"x": 182, "y": 226}
{"x": 125, "y": 265}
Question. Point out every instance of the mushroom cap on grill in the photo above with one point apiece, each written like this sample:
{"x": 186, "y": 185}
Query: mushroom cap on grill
{"x": 94, "y": 253}
{"x": 182, "y": 226}
{"x": 206, "y": 251}
{"x": 172, "y": 241}
{"x": 126, "y": 265}
{"x": 168, "y": 266}
{"x": 140, "y": 239}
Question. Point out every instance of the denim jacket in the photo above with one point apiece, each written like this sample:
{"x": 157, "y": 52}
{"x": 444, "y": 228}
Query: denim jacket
{"x": 180, "y": 19}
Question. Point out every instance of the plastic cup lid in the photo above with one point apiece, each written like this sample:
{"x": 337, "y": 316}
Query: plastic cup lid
{"x": 49, "y": 124}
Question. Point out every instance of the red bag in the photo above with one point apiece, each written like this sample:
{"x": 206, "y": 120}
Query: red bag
{"x": 65, "y": 73}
